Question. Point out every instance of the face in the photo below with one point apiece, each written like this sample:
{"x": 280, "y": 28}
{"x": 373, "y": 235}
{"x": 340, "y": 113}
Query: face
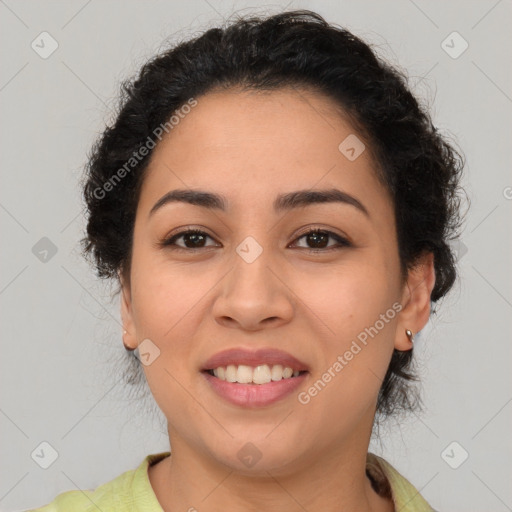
{"x": 254, "y": 279}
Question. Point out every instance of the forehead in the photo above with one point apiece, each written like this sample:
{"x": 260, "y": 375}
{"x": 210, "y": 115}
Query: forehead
{"x": 252, "y": 145}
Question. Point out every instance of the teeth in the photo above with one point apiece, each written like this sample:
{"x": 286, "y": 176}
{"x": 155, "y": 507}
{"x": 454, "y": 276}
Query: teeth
{"x": 231, "y": 373}
{"x": 244, "y": 374}
{"x": 262, "y": 374}
{"x": 277, "y": 372}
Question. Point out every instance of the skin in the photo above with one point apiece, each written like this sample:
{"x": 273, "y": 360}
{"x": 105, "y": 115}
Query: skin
{"x": 250, "y": 147}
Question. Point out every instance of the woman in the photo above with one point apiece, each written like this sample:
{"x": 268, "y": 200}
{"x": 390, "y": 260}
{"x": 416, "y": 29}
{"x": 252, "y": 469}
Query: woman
{"x": 277, "y": 208}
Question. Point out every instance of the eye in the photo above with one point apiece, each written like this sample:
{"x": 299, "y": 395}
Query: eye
{"x": 192, "y": 239}
{"x": 195, "y": 239}
{"x": 319, "y": 238}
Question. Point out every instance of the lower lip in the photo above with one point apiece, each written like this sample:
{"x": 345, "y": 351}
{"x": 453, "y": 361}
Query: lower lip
{"x": 254, "y": 395}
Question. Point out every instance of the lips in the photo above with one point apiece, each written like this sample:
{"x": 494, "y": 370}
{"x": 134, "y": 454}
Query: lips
{"x": 241, "y": 356}
{"x": 254, "y": 395}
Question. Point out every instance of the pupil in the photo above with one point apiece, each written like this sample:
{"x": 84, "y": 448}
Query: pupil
{"x": 315, "y": 236}
{"x": 195, "y": 237}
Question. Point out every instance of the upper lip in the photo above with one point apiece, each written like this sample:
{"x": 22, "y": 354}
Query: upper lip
{"x": 269, "y": 356}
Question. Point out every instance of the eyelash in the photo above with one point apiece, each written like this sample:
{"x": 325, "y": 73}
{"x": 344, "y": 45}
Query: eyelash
{"x": 169, "y": 243}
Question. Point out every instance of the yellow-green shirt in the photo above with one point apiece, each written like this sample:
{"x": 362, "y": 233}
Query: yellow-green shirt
{"x": 132, "y": 491}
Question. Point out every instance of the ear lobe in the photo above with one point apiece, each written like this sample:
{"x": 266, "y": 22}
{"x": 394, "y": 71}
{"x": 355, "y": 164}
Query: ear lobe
{"x": 129, "y": 334}
{"x": 415, "y": 300}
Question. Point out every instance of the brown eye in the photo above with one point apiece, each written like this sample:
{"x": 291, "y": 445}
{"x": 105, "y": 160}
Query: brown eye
{"x": 318, "y": 239}
{"x": 191, "y": 239}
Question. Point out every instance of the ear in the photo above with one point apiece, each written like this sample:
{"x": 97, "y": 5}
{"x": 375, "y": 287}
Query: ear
{"x": 129, "y": 338}
{"x": 415, "y": 300}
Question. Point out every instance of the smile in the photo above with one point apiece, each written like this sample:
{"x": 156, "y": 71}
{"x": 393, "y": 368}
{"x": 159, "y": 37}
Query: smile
{"x": 250, "y": 387}
{"x": 261, "y": 374}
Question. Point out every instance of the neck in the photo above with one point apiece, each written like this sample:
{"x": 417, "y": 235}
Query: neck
{"x": 330, "y": 481}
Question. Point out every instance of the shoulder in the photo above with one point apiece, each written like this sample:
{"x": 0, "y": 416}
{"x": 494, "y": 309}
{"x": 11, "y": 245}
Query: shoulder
{"x": 121, "y": 494}
{"x": 405, "y": 496}
{"x": 105, "y": 497}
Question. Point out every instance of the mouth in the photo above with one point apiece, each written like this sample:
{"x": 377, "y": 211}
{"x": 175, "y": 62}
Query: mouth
{"x": 254, "y": 378}
{"x": 251, "y": 395}
{"x": 254, "y": 375}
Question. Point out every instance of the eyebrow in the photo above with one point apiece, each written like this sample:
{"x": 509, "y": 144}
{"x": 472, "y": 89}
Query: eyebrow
{"x": 283, "y": 202}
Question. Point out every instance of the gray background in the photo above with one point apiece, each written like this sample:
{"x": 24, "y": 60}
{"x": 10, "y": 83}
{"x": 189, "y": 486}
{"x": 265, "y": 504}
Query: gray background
{"x": 62, "y": 355}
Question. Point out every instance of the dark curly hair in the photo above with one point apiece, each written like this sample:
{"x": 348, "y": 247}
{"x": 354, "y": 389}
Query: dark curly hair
{"x": 298, "y": 49}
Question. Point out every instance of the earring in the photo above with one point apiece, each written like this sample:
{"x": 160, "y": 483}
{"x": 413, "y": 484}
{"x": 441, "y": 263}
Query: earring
{"x": 410, "y": 335}
{"x": 129, "y": 349}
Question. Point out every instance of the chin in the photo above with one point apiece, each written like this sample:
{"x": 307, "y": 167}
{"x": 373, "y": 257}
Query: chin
{"x": 257, "y": 456}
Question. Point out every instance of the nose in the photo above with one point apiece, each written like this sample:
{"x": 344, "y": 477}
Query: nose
{"x": 254, "y": 296}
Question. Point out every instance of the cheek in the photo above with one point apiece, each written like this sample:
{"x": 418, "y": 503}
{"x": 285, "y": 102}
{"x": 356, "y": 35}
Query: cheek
{"x": 346, "y": 299}
{"x": 164, "y": 297}
{"x": 353, "y": 310}
{"x": 355, "y": 353}
{"x": 167, "y": 309}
